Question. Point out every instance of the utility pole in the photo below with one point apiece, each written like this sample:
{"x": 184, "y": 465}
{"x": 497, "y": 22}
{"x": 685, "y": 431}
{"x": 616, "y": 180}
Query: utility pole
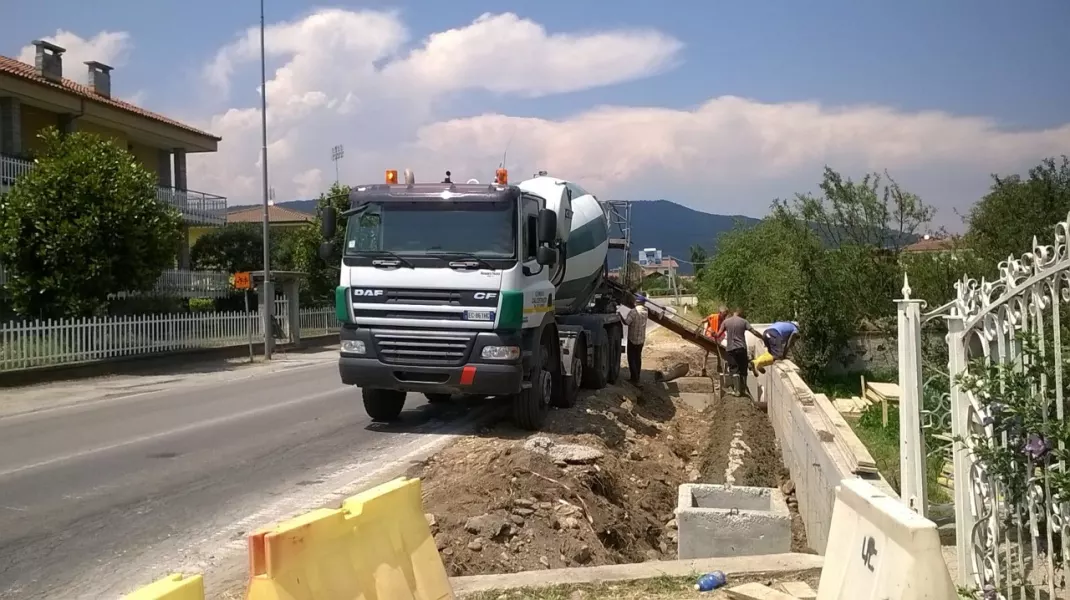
{"x": 336, "y": 155}
{"x": 267, "y": 291}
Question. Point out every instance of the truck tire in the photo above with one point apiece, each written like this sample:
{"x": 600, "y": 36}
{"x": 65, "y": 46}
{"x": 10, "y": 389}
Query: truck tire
{"x": 570, "y": 385}
{"x": 614, "y": 355}
{"x": 595, "y": 377}
{"x": 532, "y": 405}
{"x": 383, "y": 405}
{"x": 438, "y": 398}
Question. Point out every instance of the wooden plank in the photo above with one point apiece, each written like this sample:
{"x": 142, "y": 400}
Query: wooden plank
{"x": 858, "y": 456}
{"x": 885, "y": 390}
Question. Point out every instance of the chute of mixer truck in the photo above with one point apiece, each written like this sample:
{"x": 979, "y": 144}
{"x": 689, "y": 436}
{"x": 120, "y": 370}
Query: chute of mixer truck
{"x": 491, "y": 290}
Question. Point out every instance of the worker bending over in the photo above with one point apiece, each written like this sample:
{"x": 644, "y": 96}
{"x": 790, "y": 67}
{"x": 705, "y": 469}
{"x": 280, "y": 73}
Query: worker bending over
{"x": 636, "y": 322}
{"x": 779, "y": 338}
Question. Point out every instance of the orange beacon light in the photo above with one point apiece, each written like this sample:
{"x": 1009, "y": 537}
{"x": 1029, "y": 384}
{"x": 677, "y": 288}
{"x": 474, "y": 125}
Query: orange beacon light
{"x": 392, "y": 176}
{"x": 501, "y": 177}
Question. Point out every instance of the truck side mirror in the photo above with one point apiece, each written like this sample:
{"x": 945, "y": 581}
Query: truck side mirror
{"x": 547, "y": 226}
{"x": 328, "y": 225}
{"x": 546, "y": 256}
{"x": 326, "y": 251}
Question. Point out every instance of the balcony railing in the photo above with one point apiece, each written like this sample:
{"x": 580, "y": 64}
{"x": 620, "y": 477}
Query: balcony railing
{"x": 196, "y": 208}
{"x": 180, "y": 284}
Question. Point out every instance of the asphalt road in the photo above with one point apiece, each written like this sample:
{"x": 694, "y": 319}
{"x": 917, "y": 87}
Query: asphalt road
{"x": 100, "y": 496}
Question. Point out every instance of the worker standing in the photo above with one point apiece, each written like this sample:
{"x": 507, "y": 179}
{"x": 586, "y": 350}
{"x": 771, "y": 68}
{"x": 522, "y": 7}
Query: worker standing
{"x": 735, "y": 329}
{"x": 636, "y": 322}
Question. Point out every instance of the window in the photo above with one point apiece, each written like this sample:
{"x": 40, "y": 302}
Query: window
{"x": 531, "y": 229}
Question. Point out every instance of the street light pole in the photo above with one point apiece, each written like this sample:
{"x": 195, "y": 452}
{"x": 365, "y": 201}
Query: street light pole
{"x": 267, "y": 291}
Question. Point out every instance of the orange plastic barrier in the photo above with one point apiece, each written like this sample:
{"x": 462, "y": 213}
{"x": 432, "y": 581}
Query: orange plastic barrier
{"x": 173, "y": 587}
{"x": 378, "y": 546}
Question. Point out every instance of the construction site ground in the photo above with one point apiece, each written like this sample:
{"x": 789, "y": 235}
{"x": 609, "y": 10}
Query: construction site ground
{"x": 598, "y": 485}
{"x": 661, "y": 588}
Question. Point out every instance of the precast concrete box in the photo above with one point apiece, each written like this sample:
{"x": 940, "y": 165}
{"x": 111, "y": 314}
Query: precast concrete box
{"x": 719, "y": 520}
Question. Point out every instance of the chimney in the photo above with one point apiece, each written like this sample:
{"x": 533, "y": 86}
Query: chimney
{"x": 49, "y": 60}
{"x": 99, "y": 78}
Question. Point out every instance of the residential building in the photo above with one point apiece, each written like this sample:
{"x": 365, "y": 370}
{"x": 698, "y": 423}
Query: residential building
{"x": 33, "y": 97}
{"x": 279, "y": 218}
{"x": 931, "y": 244}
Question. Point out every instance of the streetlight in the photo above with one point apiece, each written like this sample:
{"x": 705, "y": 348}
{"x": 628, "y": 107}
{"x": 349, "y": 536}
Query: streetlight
{"x": 336, "y": 155}
{"x": 267, "y": 292}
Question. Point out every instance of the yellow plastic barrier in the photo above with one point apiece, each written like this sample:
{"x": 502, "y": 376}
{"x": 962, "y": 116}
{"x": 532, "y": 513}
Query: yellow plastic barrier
{"x": 172, "y": 587}
{"x": 378, "y": 546}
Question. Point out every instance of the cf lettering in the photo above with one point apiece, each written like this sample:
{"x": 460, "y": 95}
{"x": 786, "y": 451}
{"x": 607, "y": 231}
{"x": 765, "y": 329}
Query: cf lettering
{"x": 485, "y": 295}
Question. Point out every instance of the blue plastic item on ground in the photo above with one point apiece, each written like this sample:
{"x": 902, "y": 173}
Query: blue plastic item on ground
{"x": 711, "y": 581}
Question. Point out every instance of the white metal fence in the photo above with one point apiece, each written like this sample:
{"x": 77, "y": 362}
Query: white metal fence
{"x": 179, "y": 283}
{"x": 1007, "y": 410}
{"x": 32, "y": 344}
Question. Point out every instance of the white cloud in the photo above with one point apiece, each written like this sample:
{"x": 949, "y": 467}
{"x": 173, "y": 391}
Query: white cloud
{"x": 345, "y": 77}
{"x": 109, "y": 47}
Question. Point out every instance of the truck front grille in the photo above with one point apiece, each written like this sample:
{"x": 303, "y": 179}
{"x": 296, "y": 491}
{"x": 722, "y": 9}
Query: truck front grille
{"x": 424, "y": 297}
{"x": 423, "y": 347}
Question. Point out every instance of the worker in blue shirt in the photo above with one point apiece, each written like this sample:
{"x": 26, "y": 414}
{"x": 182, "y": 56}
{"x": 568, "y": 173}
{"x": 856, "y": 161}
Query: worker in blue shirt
{"x": 780, "y": 337}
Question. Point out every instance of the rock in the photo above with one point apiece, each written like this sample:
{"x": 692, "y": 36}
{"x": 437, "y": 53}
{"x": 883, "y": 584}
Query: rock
{"x": 523, "y": 503}
{"x": 672, "y": 536}
{"x": 544, "y": 561}
{"x": 574, "y": 454}
{"x": 516, "y": 519}
{"x": 441, "y": 541}
{"x": 476, "y": 545}
{"x": 432, "y": 522}
{"x": 486, "y": 525}
{"x": 635, "y": 455}
{"x": 570, "y": 523}
{"x": 582, "y": 555}
{"x": 448, "y": 552}
{"x": 787, "y": 487}
{"x": 671, "y": 524}
{"x": 652, "y": 555}
{"x": 545, "y": 505}
{"x": 663, "y": 547}
{"x": 555, "y": 523}
{"x": 523, "y": 512}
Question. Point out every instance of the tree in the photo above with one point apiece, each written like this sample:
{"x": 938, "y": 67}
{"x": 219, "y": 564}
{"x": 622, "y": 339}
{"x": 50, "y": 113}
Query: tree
{"x": 322, "y": 278}
{"x": 831, "y": 262}
{"x": 698, "y": 258}
{"x": 1004, "y": 222}
{"x": 83, "y": 224}
{"x": 231, "y": 249}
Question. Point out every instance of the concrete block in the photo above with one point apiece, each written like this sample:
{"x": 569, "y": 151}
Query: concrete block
{"x": 690, "y": 384}
{"x": 756, "y": 591}
{"x": 718, "y": 520}
{"x": 799, "y": 589}
{"x": 696, "y": 400}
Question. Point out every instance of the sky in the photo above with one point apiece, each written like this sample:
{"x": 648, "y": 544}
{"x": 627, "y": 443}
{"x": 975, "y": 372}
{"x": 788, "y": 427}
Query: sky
{"x": 721, "y": 105}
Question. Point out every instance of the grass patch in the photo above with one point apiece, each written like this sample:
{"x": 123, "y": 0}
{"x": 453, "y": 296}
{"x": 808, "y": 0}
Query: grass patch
{"x": 883, "y": 443}
{"x": 658, "y": 588}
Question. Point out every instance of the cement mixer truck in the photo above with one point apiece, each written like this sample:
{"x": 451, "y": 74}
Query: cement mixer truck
{"x": 489, "y": 290}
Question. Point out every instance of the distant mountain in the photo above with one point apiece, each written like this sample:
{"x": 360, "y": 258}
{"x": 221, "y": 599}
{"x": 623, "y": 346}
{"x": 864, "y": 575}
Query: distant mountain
{"x": 661, "y": 224}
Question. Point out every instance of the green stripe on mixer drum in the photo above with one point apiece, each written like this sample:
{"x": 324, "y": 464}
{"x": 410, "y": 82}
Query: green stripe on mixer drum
{"x": 587, "y": 237}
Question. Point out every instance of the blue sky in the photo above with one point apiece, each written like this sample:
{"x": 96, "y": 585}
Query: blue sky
{"x": 994, "y": 59}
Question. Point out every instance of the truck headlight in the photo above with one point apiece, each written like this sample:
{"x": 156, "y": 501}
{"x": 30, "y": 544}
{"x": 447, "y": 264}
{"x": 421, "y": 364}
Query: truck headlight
{"x": 353, "y": 347}
{"x": 500, "y": 352}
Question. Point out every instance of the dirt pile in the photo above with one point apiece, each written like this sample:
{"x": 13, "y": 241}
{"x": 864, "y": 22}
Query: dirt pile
{"x": 598, "y": 485}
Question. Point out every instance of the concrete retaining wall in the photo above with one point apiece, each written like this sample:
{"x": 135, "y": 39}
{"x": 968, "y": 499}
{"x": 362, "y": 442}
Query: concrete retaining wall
{"x": 721, "y": 520}
{"x": 807, "y": 447}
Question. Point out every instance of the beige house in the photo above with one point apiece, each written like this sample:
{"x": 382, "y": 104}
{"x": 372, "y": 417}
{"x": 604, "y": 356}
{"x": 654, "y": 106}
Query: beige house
{"x": 33, "y": 97}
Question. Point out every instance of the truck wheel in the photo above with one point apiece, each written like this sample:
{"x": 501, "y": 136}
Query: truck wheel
{"x": 383, "y": 405}
{"x": 438, "y": 398}
{"x": 570, "y": 386}
{"x": 531, "y": 405}
{"x": 595, "y": 378}
{"x": 614, "y": 356}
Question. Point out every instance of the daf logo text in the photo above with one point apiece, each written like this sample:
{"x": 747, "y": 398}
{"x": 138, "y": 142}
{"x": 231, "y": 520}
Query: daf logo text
{"x": 360, "y": 292}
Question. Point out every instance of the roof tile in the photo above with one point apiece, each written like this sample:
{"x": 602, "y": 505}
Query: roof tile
{"x": 22, "y": 70}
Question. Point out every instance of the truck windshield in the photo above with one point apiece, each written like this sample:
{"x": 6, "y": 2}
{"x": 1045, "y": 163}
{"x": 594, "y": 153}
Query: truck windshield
{"x": 426, "y": 228}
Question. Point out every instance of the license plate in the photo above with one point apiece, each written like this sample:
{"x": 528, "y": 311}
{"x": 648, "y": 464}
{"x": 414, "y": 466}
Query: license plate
{"x": 479, "y": 315}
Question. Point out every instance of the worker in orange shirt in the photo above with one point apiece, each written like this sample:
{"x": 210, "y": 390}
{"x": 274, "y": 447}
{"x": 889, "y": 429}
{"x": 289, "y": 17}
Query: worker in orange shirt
{"x": 712, "y": 325}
